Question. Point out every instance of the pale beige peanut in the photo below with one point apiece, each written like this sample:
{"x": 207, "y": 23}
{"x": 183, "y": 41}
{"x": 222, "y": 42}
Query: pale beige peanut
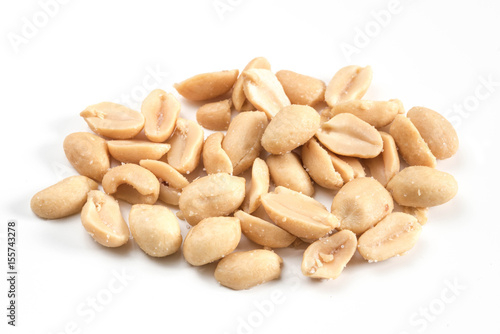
{"x": 290, "y": 128}
{"x": 346, "y": 134}
{"x": 160, "y": 110}
{"x": 298, "y": 214}
{"x": 244, "y": 270}
{"x": 376, "y": 113}
{"x": 242, "y": 140}
{"x": 211, "y": 196}
{"x": 419, "y": 213}
{"x": 102, "y": 219}
{"x": 165, "y": 172}
{"x": 344, "y": 169}
{"x": 215, "y": 116}
{"x": 264, "y": 91}
{"x": 155, "y": 229}
{"x": 88, "y": 154}
{"x": 385, "y": 165}
{"x": 392, "y": 236}
{"x": 286, "y": 170}
{"x": 113, "y": 120}
{"x": 421, "y": 186}
{"x": 212, "y": 239}
{"x": 361, "y": 203}
{"x": 207, "y": 86}
{"x": 357, "y": 167}
{"x": 437, "y": 131}
{"x": 319, "y": 165}
{"x": 247, "y": 106}
{"x": 168, "y": 194}
{"x": 215, "y": 159}
{"x": 300, "y": 88}
{"x": 238, "y": 95}
{"x": 62, "y": 199}
{"x": 327, "y": 257}
{"x": 411, "y": 145}
{"x": 131, "y": 183}
{"x": 186, "y": 145}
{"x": 349, "y": 83}
{"x": 132, "y": 151}
{"x": 263, "y": 232}
{"x": 259, "y": 186}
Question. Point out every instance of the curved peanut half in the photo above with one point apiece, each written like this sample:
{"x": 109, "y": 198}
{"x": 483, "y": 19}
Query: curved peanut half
{"x": 411, "y": 145}
{"x": 349, "y": 83}
{"x": 376, "y": 113}
{"x": 301, "y": 89}
{"x": 160, "y": 111}
{"x": 238, "y": 95}
{"x": 327, "y": 257}
{"x": 385, "y": 165}
{"x": 242, "y": 142}
{"x": 258, "y": 186}
{"x": 392, "y": 236}
{"x": 264, "y": 91}
{"x": 346, "y": 134}
{"x": 207, "y": 86}
{"x": 357, "y": 167}
{"x": 345, "y": 170}
{"x": 168, "y": 194}
{"x": 131, "y": 183}
{"x": 215, "y": 116}
{"x": 132, "y": 151}
{"x": 287, "y": 171}
{"x": 215, "y": 159}
{"x": 165, "y": 172}
{"x": 298, "y": 214}
{"x": 186, "y": 145}
{"x": 318, "y": 164}
{"x": 102, "y": 219}
{"x": 113, "y": 120}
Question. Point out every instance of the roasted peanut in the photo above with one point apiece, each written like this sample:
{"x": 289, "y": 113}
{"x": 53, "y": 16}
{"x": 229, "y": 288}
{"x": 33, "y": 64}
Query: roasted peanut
{"x": 132, "y": 151}
{"x": 207, "y": 85}
{"x": 385, "y": 165}
{"x": 165, "y": 172}
{"x": 215, "y": 159}
{"x": 419, "y": 213}
{"x": 238, "y": 95}
{"x": 376, "y": 113}
{"x": 258, "y": 186}
{"x": 301, "y": 89}
{"x": 319, "y": 165}
{"x": 160, "y": 112}
{"x": 186, "y": 145}
{"x": 215, "y": 116}
{"x": 168, "y": 194}
{"x": 349, "y": 83}
{"x": 286, "y": 170}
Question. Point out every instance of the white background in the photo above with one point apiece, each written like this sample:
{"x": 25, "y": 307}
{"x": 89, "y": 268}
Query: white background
{"x": 438, "y": 54}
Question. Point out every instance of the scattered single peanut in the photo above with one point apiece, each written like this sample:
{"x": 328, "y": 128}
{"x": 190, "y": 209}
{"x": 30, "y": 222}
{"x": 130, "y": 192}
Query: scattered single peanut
{"x": 133, "y": 151}
{"x": 207, "y": 85}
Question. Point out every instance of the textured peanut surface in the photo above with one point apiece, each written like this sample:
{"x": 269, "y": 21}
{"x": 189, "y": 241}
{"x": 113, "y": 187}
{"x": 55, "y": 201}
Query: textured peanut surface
{"x": 286, "y": 170}
{"x": 215, "y": 116}
{"x": 300, "y": 88}
{"x": 207, "y": 86}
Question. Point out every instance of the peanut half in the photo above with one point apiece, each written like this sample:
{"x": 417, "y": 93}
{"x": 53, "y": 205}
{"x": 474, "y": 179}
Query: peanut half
{"x": 215, "y": 159}
{"x": 207, "y": 86}
{"x": 301, "y": 89}
{"x": 132, "y": 151}
{"x": 385, "y": 165}
{"x": 215, "y": 116}
{"x": 258, "y": 186}
{"x": 319, "y": 165}
{"x": 376, "y": 113}
{"x": 287, "y": 171}
{"x": 349, "y": 83}
{"x": 419, "y": 213}
{"x": 238, "y": 95}
{"x": 160, "y": 111}
{"x": 186, "y": 145}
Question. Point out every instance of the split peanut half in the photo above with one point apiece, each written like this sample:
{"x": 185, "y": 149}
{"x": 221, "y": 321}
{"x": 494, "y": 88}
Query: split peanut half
{"x": 215, "y": 116}
{"x": 349, "y": 83}
{"x": 376, "y": 113}
{"x": 215, "y": 159}
{"x": 160, "y": 111}
{"x": 286, "y": 170}
{"x": 207, "y": 86}
{"x": 238, "y": 95}
{"x": 133, "y": 151}
{"x": 384, "y": 166}
{"x": 301, "y": 89}
{"x": 318, "y": 164}
{"x": 259, "y": 186}
{"x": 186, "y": 145}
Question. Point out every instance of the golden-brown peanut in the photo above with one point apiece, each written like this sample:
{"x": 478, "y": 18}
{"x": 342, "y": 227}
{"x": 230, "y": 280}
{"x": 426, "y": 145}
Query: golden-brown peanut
{"x": 165, "y": 172}
{"x": 207, "y": 86}
{"x": 411, "y": 145}
{"x": 211, "y": 196}
{"x": 113, "y": 120}
{"x": 215, "y": 116}
{"x": 186, "y": 145}
{"x": 287, "y": 171}
{"x": 385, "y": 165}
{"x": 103, "y": 220}
{"x": 238, "y": 95}
{"x": 242, "y": 141}
{"x": 212, "y": 239}
{"x": 160, "y": 111}
{"x": 244, "y": 270}
{"x": 376, "y": 113}
{"x": 346, "y": 134}
{"x": 88, "y": 154}
{"x": 419, "y": 213}
{"x": 131, "y": 183}
{"x": 319, "y": 165}
{"x": 361, "y": 203}
{"x": 155, "y": 229}
{"x": 327, "y": 257}
{"x": 264, "y": 91}
{"x": 132, "y": 151}
{"x": 62, "y": 199}
{"x": 263, "y": 232}
{"x": 349, "y": 83}
{"x": 258, "y": 186}
{"x": 291, "y": 127}
{"x": 421, "y": 186}
{"x": 392, "y": 236}
{"x": 436, "y": 131}
{"x": 298, "y": 214}
{"x": 215, "y": 159}
{"x": 301, "y": 89}
{"x": 168, "y": 194}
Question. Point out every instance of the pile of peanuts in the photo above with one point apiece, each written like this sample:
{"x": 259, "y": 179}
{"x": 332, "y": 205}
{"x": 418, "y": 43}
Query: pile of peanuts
{"x": 351, "y": 147}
